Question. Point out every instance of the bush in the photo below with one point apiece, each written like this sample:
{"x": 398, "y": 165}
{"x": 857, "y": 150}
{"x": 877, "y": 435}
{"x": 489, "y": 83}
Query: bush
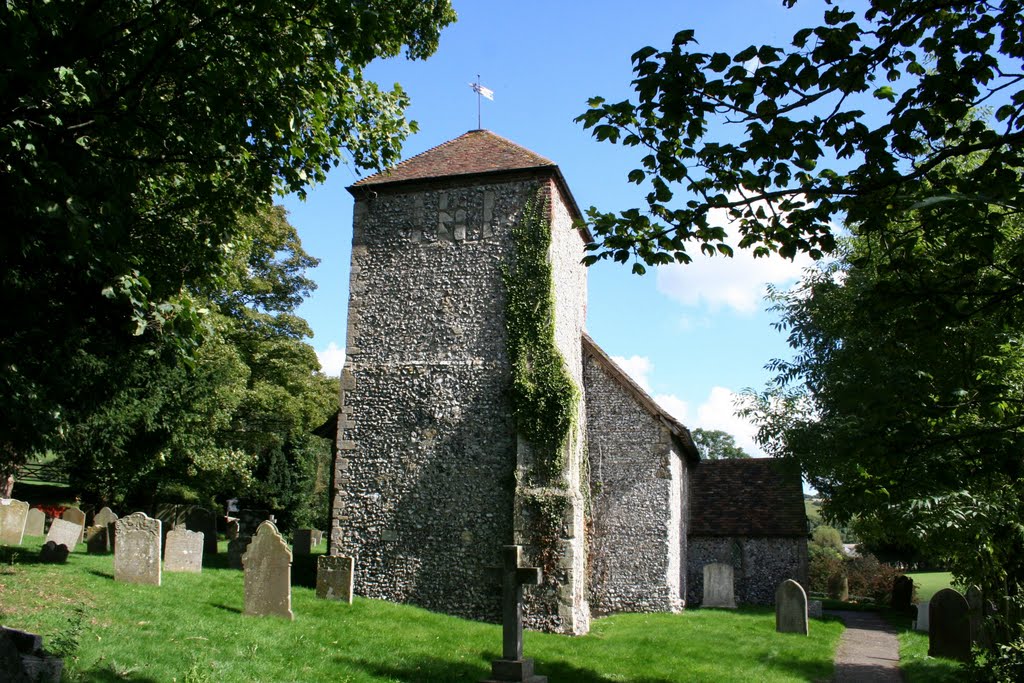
{"x": 828, "y": 537}
{"x": 823, "y": 563}
{"x": 867, "y": 576}
{"x": 1003, "y": 664}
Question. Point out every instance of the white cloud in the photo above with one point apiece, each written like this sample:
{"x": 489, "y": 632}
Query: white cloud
{"x": 637, "y": 367}
{"x": 674, "y": 406}
{"x": 718, "y": 412}
{"x": 720, "y": 281}
{"x": 332, "y": 359}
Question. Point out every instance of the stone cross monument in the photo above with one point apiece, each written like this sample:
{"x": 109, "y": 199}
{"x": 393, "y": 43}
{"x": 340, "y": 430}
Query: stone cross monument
{"x": 512, "y": 666}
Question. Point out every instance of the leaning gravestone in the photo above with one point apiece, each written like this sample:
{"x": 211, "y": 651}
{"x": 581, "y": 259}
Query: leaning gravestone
{"x": 949, "y": 633}
{"x": 53, "y": 553}
{"x": 205, "y": 522}
{"x": 96, "y": 540}
{"x": 137, "y": 554}
{"x": 75, "y": 516}
{"x": 334, "y": 578}
{"x": 790, "y": 608}
{"x": 183, "y": 551}
{"x": 13, "y": 516}
{"x": 106, "y": 518}
{"x": 268, "y": 569}
{"x": 902, "y": 592}
{"x": 35, "y": 523}
{"x": 65, "y": 533}
{"x": 302, "y": 542}
{"x": 718, "y": 586}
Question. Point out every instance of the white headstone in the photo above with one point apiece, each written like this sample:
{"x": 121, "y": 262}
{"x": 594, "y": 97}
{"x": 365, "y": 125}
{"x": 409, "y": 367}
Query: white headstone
{"x": 13, "y": 516}
{"x": 137, "y": 549}
{"x": 718, "y": 586}
{"x": 65, "y": 533}
{"x": 183, "y": 551}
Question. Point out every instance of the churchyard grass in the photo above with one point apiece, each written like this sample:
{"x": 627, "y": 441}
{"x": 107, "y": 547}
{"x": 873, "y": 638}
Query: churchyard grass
{"x": 930, "y": 583}
{"x": 191, "y": 629}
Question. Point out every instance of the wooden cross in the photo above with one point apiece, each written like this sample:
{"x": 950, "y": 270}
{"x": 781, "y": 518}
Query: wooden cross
{"x": 513, "y": 578}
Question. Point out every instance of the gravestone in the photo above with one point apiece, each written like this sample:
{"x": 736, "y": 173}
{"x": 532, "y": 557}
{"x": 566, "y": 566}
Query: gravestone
{"x": 839, "y": 587}
{"x": 512, "y": 666}
{"x": 791, "y": 608}
{"x": 902, "y": 592}
{"x": 35, "y": 523}
{"x": 23, "y": 660}
{"x": 13, "y": 516}
{"x": 248, "y": 522}
{"x": 53, "y": 553}
{"x": 63, "y": 532}
{"x": 814, "y": 609}
{"x": 302, "y": 543}
{"x": 183, "y": 551}
{"x": 106, "y": 518}
{"x": 922, "y": 617}
{"x": 318, "y": 537}
{"x": 204, "y": 521}
{"x": 268, "y": 569}
{"x": 96, "y": 540}
{"x": 335, "y": 576}
{"x": 975, "y": 613}
{"x": 718, "y": 586}
{"x": 75, "y": 516}
{"x": 231, "y": 528}
{"x": 137, "y": 554}
{"x": 949, "y": 633}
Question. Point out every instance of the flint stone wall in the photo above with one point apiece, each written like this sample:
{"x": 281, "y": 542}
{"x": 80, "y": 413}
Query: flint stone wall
{"x": 426, "y": 446}
{"x": 637, "y": 488}
{"x": 760, "y": 564}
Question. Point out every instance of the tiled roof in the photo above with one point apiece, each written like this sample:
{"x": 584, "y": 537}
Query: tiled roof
{"x": 746, "y": 497}
{"x": 476, "y": 152}
{"x": 591, "y": 348}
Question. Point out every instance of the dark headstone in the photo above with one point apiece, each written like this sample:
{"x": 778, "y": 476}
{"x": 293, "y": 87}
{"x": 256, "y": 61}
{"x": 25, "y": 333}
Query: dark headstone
{"x": 839, "y": 587}
{"x": 512, "y": 667}
{"x": 236, "y": 548}
{"x": 23, "y": 660}
{"x": 106, "y": 518}
{"x": 949, "y": 632}
{"x": 902, "y": 593}
{"x": 205, "y": 522}
{"x": 53, "y": 553}
{"x": 96, "y": 540}
{"x": 302, "y": 543}
{"x": 975, "y": 613}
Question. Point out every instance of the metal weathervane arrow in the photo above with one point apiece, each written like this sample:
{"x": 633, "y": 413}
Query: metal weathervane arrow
{"x": 481, "y": 92}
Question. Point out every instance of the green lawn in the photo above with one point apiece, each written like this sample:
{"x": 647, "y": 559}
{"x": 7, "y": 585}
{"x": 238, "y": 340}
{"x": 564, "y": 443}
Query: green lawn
{"x": 930, "y": 583}
{"x": 191, "y": 629}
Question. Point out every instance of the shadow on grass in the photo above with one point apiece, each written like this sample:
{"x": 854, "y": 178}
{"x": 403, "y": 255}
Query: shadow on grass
{"x": 102, "y": 575}
{"x": 226, "y": 608}
{"x": 107, "y": 675}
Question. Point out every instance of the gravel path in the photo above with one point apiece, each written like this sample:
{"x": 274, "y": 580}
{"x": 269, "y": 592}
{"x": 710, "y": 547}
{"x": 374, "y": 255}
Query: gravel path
{"x": 869, "y": 651}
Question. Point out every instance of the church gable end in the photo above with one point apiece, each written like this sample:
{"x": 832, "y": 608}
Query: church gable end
{"x": 748, "y": 513}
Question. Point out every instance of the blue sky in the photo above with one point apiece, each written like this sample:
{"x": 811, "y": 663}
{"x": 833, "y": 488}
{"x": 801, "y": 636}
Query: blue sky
{"x": 691, "y": 335}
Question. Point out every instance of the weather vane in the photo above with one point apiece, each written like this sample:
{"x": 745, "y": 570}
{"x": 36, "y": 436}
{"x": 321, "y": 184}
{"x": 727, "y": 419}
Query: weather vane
{"x": 481, "y": 92}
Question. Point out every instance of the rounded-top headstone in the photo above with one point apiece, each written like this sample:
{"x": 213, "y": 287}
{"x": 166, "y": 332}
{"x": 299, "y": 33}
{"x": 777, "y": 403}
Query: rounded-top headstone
{"x": 791, "y": 608}
{"x": 13, "y": 516}
{"x": 949, "y": 630}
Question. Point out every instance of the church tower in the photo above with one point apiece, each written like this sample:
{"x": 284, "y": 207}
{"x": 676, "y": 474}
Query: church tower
{"x": 431, "y": 477}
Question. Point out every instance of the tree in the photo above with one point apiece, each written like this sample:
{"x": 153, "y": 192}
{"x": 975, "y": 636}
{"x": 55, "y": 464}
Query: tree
{"x": 814, "y": 144}
{"x": 136, "y": 135}
{"x": 904, "y": 403}
{"x": 237, "y": 421}
{"x": 714, "y": 444}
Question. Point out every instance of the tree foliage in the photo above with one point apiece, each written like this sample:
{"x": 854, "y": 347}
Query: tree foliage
{"x": 851, "y": 120}
{"x": 237, "y": 421}
{"x": 714, "y": 444}
{"x": 135, "y": 137}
